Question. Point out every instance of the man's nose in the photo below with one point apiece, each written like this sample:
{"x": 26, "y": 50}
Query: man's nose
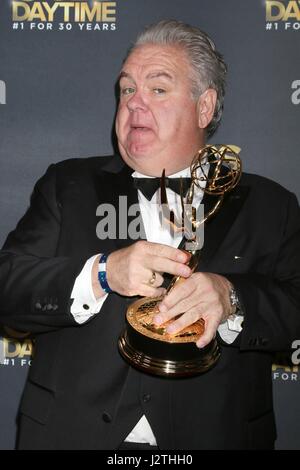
{"x": 137, "y": 102}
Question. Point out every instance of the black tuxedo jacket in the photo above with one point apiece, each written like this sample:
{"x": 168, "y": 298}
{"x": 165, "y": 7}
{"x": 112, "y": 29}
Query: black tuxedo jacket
{"x": 80, "y": 394}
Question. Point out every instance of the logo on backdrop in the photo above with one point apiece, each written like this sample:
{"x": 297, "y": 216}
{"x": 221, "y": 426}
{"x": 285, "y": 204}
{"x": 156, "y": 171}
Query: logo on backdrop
{"x": 282, "y": 15}
{"x": 87, "y": 15}
{"x": 283, "y": 372}
{"x": 16, "y": 349}
{"x": 2, "y": 92}
{"x": 296, "y": 354}
{"x": 295, "y": 96}
{"x": 286, "y": 366}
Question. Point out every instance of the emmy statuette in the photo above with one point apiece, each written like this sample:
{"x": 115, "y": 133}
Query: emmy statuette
{"x": 147, "y": 346}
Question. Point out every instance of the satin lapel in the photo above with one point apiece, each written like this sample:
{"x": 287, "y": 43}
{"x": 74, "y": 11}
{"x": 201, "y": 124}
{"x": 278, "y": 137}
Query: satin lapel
{"x": 117, "y": 190}
{"x": 216, "y": 229}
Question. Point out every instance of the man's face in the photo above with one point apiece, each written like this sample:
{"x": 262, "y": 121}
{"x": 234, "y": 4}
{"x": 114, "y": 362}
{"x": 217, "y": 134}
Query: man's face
{"x": 157, "y": 121}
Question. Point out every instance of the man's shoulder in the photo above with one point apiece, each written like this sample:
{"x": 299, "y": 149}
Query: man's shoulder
{"x": 86, "y": 165}
{"x": 77, "y": 171}
{"x": 264, "y": 187}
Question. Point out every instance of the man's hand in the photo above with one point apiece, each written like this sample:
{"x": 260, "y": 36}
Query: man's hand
{"x": 129, "y": 270}
{"x": 203, "y": 295}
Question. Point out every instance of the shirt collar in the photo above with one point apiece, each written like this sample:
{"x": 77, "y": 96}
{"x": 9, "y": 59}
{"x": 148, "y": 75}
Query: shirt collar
{"x": 184, "y": 173}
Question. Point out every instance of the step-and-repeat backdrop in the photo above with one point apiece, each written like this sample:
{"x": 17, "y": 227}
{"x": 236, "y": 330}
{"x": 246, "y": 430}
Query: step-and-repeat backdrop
{"x": 58, "y": 66}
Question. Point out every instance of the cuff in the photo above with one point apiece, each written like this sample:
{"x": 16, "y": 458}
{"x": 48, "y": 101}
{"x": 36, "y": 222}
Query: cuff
{"x": 85, "y": 304}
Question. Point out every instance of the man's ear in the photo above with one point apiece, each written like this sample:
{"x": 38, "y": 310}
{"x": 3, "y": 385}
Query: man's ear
{"x": 206, "y": 107}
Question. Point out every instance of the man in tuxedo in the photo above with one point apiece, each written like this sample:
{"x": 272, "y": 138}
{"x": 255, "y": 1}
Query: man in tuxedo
{"x": 80, "y": 393}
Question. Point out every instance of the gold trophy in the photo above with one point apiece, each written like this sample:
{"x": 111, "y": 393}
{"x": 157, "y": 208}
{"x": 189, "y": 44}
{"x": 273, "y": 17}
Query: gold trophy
{"x": 147, "y": 346}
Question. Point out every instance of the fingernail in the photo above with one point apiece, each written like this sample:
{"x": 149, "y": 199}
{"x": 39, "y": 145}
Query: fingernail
{"x": 182, "y": 257}
{"x": 162, "y": 308}
{"x": 158, "y": 320}
{"x": 171, "y": 328}
{"x": 185, "y": 271}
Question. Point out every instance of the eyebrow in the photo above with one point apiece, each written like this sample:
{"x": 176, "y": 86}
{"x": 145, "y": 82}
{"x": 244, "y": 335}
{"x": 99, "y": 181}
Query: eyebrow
{"x": 124, "y": 75}
{"x": 159, "y": 74}
{"x": 150, "y": 75}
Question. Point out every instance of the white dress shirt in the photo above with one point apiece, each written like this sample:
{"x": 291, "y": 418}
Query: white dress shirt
{"x": 86, "y": 305}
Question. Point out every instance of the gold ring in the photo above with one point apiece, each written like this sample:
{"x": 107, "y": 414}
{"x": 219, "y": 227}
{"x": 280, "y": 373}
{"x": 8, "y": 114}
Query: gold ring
{"x": 152, "y": 279}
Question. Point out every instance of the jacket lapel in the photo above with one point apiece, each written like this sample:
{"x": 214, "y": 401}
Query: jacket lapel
{"x": 116, "y": 190}
{"x": 217, "y": 227}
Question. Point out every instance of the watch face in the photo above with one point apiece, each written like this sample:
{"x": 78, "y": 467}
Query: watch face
{"x": 234, "y": 300}
{"x": 233, "y": 297}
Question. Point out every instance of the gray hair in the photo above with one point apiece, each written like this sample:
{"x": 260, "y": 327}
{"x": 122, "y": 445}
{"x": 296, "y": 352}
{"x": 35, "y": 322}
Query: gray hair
{"x": 207, "y": 65}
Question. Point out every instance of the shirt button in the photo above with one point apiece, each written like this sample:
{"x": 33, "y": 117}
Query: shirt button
{"x": 86, "y": 307}
{"x": 146, "y": 397}
{"x": 106, "y": 417}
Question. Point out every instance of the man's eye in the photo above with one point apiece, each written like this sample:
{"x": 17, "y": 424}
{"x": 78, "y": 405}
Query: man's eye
{"x": 127, "y": 91}
{"x": 159, "y": 91}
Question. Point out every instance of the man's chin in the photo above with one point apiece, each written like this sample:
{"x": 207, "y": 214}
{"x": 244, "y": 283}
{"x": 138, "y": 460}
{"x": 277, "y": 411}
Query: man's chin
{"x": 140, "y": 151}
{"x": 139, "y": 154}
{"x": 143, "y": 163}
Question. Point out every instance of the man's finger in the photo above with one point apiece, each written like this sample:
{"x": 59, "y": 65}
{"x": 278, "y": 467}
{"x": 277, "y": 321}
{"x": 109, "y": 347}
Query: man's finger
{"x": 180, "y": 293}
{"x": 169, "y": 252}
{"x": 147, "y": 291}
{"x": 211, "y": 326}
{"x": 186, "y": 319}
{"x": 182, "y": 307}
{"x": 169, "y": 266}
{"x": 156, "y": 279}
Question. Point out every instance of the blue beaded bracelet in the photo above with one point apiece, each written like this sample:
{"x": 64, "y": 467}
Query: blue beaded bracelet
{"x": 102, "y": 274}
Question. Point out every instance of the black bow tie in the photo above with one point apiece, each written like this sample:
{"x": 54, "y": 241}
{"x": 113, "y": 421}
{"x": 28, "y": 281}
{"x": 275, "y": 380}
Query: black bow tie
{"x": 148, "y": 186}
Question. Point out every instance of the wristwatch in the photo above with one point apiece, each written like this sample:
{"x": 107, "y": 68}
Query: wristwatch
{"x": 234, "y": 300}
